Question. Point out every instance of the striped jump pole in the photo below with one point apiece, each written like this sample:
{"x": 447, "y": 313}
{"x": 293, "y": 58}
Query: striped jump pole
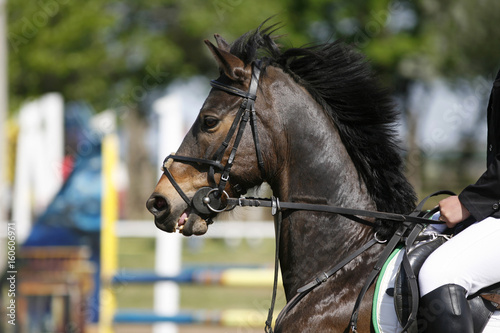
{"x": 229, "y": 277}
{"x": 233, "y": 277}
{"x": 226, "y": 318}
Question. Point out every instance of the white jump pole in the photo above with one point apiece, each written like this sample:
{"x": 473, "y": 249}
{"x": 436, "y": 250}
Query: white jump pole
{"x": 48, "y": 179}
{"x": 21, "y": 201}
{"x": 38, "y": 159}
{"x": 168, "y": 246}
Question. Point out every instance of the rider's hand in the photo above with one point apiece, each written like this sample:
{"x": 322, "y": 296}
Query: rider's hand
{"x": 452, "y": 211}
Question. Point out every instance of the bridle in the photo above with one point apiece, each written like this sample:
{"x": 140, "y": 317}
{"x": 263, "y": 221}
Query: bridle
{"x": 209, "y": 200}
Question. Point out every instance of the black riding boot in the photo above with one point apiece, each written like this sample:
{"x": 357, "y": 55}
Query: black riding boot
{"x": 445, "y": 310}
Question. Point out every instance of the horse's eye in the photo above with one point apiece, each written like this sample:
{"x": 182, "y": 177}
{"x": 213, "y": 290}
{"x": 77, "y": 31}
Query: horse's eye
{"x": 210, "y": 122}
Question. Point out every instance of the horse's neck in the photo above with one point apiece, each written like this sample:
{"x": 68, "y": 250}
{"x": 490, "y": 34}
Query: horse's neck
{"x": 320, "y": 171}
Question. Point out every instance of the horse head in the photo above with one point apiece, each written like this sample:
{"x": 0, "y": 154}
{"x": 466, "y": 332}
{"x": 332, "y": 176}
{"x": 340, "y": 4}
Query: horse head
{"x": 218, "y": 158}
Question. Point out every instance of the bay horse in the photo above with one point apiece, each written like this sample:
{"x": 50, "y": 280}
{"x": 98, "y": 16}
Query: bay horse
{"x": 322, "y": 131}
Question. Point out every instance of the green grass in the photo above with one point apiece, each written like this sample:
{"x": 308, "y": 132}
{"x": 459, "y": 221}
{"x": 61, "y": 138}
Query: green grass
{"x": 218, "y": 251}
{"x": 138, "y": 253}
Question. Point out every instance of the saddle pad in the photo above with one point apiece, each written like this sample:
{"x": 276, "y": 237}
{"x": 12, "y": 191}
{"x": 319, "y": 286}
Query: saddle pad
{"x": 383, "y": 314}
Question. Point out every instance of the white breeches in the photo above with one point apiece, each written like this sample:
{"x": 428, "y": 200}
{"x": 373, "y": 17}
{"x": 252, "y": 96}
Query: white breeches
{"x": 470, "y": 259}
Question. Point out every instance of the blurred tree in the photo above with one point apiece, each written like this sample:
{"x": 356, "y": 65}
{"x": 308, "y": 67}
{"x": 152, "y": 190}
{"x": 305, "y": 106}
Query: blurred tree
{"x": 115, "y": 52}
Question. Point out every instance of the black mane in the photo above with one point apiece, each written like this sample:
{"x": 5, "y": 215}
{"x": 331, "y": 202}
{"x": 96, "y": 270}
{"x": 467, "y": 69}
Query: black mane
{"x": 341, "y": 80}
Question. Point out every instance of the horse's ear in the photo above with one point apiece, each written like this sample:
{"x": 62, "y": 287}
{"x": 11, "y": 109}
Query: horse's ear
{"x": 221, "y": 43}
{"x": 230, "y": 64}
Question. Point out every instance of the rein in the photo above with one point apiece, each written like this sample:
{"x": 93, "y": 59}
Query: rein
{"x": 413, "y": 222}
{"x": 208, "y": 201}
{"x": 350, "y": 213}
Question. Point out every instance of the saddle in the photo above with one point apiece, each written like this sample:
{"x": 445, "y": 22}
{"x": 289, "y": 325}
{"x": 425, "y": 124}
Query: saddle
{"x": 482, "y": 304}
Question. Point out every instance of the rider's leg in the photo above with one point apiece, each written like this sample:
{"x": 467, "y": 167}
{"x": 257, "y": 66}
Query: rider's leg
{"x": 469, "y": 260}
{"x": 445, "y": 310}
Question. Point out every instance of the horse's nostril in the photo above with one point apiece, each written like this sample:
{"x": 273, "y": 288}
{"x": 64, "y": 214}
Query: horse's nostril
{"x": 160, "y": 203}
{"x": 157, "y": 204}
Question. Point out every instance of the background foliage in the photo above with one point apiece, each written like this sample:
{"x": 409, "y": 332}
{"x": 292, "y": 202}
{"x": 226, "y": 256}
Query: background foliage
{"x": 99, "y": 50}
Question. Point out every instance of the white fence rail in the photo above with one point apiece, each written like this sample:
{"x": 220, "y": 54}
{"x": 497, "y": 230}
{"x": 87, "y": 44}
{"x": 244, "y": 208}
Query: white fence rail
{"x": 220, "y": 229}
